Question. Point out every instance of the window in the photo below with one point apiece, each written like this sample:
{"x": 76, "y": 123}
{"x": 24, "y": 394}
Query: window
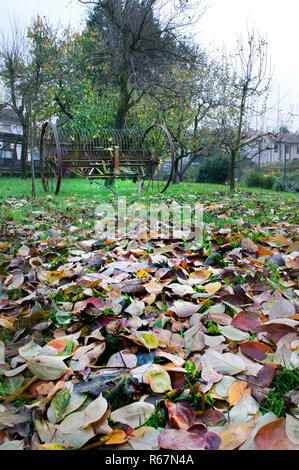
{"x": 297, "y": 149}
{"x": 287, "y": 149}
{"x": 276, "y": 148}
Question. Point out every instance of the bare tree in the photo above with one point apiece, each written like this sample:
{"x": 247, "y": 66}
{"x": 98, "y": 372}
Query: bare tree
{"x": 251, "y": 79}
{"x": 12, "y": 71}
{"x": 24, "y": 68}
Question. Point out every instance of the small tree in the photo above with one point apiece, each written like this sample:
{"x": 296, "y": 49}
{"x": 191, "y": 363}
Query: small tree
{"x": 251, "y": 80}
{"x": 24, "y": 69}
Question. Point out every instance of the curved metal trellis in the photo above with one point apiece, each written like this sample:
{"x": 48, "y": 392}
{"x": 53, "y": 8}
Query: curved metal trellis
{"x": 110, "y": 153}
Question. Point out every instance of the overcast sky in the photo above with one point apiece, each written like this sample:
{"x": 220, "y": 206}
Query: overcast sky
{"x": 220, "y": 26}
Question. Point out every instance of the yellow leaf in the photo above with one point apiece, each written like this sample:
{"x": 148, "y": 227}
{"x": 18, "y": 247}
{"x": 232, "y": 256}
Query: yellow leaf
{"x": 142, "y": 273}
{"x": 8, "y": 324}
{"x": 213, "y": 287}
{"x": 51, "y": 446}
{"x": 54, "y": 276}
{"x": 149, "y": 341}
{"x": 236, "y": 392}
{"x": 116, "y": 437}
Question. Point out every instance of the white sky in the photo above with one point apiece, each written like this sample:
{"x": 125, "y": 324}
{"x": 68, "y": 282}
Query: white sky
{"x": 218, "y": 28}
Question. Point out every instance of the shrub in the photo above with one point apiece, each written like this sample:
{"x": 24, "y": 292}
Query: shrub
{"x": 214, "y": 169}
{"x": 268, "y": 181}
{"x": 286, "y": 186}
{"x": 254, "y": 179}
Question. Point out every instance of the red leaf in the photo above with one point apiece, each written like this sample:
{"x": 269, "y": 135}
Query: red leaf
{"x": 246, "y": 321}
{"x": 181, "y": 415}
{"x": 266, "y": 375}
{"x": 178, "y": 439}
{"x": 255, "y": 350}
{"x": 276, "y": 330}
{"x": 212, "y": 439}
{"x": 59, "y": 344}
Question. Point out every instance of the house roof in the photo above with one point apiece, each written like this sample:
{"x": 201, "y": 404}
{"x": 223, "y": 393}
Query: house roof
{"x": 286, "y": 138}
{"x": 290, "y": 139}
{"x": 8, "y": 116}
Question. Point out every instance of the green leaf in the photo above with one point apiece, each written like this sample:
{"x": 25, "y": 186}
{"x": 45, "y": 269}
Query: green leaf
{"x": 58, "y": 405}
{"x": 159, "y": 380}
{"x": 148, "y": 340}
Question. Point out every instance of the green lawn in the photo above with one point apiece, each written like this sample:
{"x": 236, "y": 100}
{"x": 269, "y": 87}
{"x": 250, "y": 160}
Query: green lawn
{"x": 80, "y": 188}
{"x": 78, "y": 199}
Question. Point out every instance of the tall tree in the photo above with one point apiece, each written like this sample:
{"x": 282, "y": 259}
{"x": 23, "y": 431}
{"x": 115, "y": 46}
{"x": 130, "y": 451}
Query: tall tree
{"x": 137, "y": 41}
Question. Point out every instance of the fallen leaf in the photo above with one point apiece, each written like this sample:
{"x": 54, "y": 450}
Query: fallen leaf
{"x": 81, "y": 419}
{"x": 148, "y": 340}
{"x": 292, "y": 429}
{"x": 234, "y": 436}
{"x": 51, "y": 446}
{"x": 226, "y": 363}
{"x": 213, "y": 287}
{"x": 116, "y": 437}
{"x": 184, "y": 309}
{"x": 255, "y": 350}
{"x": 181, "y": 414}
{"x": 282, "y": 308}
{"x": 159, "y": 380}
{"x": 272, "y": 436}
{"x": 134, "y": 415}
{"x": 47, "y": 367}
{"x": 246, "y": 321}
{"x": 236, "y": 392}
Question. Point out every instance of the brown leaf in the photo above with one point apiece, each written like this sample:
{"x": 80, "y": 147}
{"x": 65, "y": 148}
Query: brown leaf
{"x": 248, "y": 245}
{"x": 233, "y": 437}
{"x": 273, "y": 436}
{"x": 276, "y": 330}
{"x": 255, "y": 350}
{"x": 220, "y": 318}
{"x": 265, "y": 376}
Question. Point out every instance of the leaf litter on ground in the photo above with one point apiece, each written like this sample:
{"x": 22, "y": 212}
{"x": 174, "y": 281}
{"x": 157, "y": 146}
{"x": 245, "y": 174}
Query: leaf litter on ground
{"x": 145, "y": 343}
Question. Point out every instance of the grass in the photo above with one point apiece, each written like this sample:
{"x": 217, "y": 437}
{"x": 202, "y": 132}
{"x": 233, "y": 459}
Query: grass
{"x": 287, "y": 380}
{"x": 78, "y": 199}
{"x": 80, "y": 188}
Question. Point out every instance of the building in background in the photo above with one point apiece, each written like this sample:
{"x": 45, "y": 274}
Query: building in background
{"x": 273, "y": 149}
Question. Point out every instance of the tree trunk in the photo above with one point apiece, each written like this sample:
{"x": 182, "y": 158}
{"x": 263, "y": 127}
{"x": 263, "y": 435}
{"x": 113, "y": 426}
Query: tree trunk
{"x": 124, "y": 100}
{"x": 122, "y": 111}
{"x": 14, "y": 159}
{"x": 24, "y": 153}
{"x": 176, "y": 176}
{"x": 178, "y": 173}
{"x": 232, "y": 170}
